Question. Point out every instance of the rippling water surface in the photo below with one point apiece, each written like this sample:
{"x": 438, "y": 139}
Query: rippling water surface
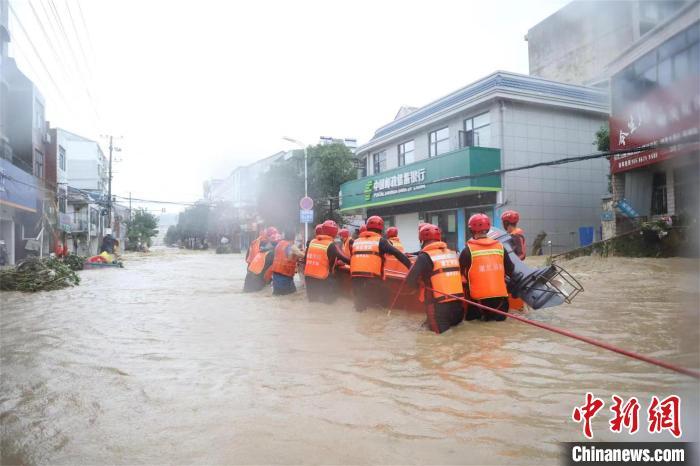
{"x": 166, "y": 361}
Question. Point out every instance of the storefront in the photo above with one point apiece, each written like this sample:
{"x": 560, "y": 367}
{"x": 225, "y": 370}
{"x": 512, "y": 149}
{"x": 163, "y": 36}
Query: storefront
{"x": 442, "y": 190}
{"x": 20, "y": 211}
{"x": 656, "y": 101}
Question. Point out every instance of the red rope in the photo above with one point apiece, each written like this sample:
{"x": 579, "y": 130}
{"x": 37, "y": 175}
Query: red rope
{"x": 600, "y": 344}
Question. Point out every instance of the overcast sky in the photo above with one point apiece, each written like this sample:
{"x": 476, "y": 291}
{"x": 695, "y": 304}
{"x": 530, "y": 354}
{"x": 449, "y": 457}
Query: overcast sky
{"x": 198, "y": 87}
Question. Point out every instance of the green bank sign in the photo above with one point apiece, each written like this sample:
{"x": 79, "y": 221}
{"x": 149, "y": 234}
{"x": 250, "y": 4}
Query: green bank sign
{"x": 425, "y": 179}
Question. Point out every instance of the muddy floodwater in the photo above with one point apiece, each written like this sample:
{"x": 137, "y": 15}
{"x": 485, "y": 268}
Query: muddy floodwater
{"x": 166, "y": 362}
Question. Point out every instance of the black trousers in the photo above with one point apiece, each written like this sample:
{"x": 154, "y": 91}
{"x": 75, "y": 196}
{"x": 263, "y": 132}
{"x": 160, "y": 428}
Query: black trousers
{"x": 321, "y": 291}
{"x": 474, "y": 312}
{"x": 444, "y": 316}
{"x": 368, "y": 292}
{"x": 253, "y": 282}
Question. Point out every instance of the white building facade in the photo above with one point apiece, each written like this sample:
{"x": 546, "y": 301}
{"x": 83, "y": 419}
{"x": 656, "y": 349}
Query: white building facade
{"x": 502, "y": 121}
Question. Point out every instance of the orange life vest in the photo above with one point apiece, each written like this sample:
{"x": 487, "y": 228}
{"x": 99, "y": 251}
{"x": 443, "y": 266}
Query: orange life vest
{"x": 258, "y": 263}
{"x": 253, "y": 249}
{"x": 392, "y": 266}
{"x": 445, "y": 277}
{"x": 347, "y": 250}
{"x": 519, "y": 231}
{"x": 282, "y": 263}
{"x": 366, "y": 260}
{"x": 486, "y": 276}
{"x": 317, "y": 265}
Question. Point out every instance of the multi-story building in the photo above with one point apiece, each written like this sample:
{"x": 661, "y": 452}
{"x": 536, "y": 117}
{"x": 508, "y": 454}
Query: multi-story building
{"x": 347, "y": 142}
{"x": 655, "y": 94}
{"x": 86, "y": 164}
{"x": 426, "y": 164}
{"x": 23, "y": 136}
{"x": 575, "y": 44}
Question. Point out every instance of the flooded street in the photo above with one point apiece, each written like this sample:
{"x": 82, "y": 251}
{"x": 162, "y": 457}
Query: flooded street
{"x": 166, "y": 361}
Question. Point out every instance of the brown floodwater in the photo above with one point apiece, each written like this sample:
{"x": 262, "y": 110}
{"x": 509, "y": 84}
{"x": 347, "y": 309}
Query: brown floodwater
{"x": 166, "y": 362}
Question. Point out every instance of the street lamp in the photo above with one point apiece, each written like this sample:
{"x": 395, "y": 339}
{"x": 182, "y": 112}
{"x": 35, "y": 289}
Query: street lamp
{"x": 306, "y": 180}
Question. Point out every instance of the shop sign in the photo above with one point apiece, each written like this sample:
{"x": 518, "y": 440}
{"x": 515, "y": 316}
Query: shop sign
{"x": 425, "y": 178}
{"x": 665, "y": 115}
{"x": 403, "y": 182}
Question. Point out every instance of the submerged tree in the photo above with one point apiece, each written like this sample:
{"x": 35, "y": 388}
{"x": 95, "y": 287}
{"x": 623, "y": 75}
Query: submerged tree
{"x": 141, "y": 228}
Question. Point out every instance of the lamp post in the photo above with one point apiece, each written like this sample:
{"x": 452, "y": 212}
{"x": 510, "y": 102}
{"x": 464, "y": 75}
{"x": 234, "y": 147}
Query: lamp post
{"x": 306, "y": 180}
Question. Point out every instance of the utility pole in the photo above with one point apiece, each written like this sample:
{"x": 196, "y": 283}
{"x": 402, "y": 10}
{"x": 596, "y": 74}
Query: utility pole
{"x": 112, "y": 148}
{"x": 130, "y": 206}
{"x": 109, "y": 184}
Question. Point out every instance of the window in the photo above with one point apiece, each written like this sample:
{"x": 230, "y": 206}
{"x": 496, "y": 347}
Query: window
{"x": 38, "y": 164}
{"x": 39, "y": 116}
{"x": 406, "y": 150}
{"x": 658, "y": 194}
{"x": 379, "y": 161}
{"x": 477, "y": 131}
{"x": 439, "y": 141}
{"x": 61, "y": 158}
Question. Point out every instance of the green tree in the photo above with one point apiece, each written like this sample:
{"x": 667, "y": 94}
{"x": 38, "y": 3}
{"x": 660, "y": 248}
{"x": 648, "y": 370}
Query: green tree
{"x": 602, "y": 138}
{"x": 602, "y": 143}
{"x": 192, "y": 222}
{"x": 172, "y": 236}
{"x": 141, "y": 228}
{"x": 330, "y": 166}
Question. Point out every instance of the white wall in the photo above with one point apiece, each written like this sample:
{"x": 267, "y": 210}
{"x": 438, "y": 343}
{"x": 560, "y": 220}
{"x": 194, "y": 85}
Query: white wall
{"x": 408, "y": 231}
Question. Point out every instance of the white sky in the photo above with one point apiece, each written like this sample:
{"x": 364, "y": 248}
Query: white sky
{"x": 198, "y": 87}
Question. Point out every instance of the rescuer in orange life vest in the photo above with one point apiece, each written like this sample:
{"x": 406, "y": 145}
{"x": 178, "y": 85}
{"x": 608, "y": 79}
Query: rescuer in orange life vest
{"x": 437, "y": 267}
{"x": 485, "y": 266}
{"x": 367, "y": 264}
{"x": 321, "y": 256}
{"x": 258, "y": 274}
{"x": 261, "y": 241}
{"x": 392, "y": 267}
{"x": 346, "y": 245}
{"x": 284, "y": 264}
{"x": 510, "y": 219}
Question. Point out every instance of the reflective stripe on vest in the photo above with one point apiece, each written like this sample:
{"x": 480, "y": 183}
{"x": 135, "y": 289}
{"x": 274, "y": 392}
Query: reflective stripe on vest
{"x": 486, "y": 276}
{"x": 392, "y": 266}
{"x": 445, "y": 277}
{"x": 317, "y": 265}
{"x": 282, "y": 263}
{"x": 258, "y": 263}
{"x": 366, "y": 261}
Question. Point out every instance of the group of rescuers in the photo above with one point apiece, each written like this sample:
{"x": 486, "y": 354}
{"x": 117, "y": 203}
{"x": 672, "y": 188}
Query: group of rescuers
{"x": 439, "y": 274}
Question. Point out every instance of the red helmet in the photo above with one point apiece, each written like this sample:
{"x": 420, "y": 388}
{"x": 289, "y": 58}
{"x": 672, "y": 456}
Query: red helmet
{"x": 269, "y": 231}
{"x": 392, "y": 232}
{"x": 429, "y": 232}
{"x": 344, "y": 233}
{"x": 330, "y": 228}
{"x": 319, "y": 229}
{"x": 375, "y": 222}
{"x": 510, "y": 216}
{"x": 421, "y": 225}
{"x": 363, "y": 228}
{"x": 479, "y": 222}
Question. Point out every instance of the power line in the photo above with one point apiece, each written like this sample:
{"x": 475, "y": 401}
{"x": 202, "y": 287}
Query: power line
{"x": 52, "y": 7}
{"x": 566, "y": 160}
{"x": 87, "y": 30}
{"x": 38, "y": 55}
